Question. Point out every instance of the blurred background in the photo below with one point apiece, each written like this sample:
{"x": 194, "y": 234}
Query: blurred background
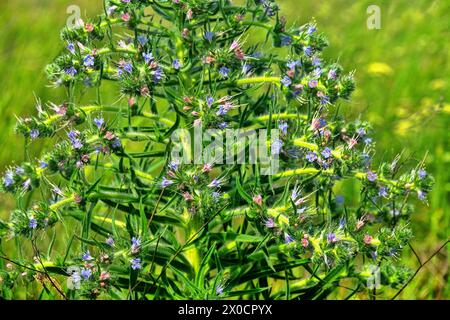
{"x": 403, "y": 88}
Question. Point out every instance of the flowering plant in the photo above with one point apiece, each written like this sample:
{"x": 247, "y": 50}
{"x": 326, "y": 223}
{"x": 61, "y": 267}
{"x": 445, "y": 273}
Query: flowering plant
{"x": 133, "y": 221}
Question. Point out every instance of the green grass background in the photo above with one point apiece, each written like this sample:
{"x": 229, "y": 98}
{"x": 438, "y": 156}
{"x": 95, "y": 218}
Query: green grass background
{"x": 402, "y": 70}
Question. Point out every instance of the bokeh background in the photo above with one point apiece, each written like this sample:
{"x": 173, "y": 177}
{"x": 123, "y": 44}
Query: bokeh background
{"x": 402, "y": 70}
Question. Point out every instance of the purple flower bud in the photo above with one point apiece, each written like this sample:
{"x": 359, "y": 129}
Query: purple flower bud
{"x": 270, "y": 223}
{"x": 110, "y": 241}
{"x": 326, "y": 153}
{"x": 313, "y": 83}
{"x": 89, "y": 61}
{"x": 332, "y": 75}
{"x": 285, "y": 40}
{"x": 283, "y": 126}
{"x": 371, "y": 176}
{"x": 209, "y": 101}
{"x": 142, "y": 40}
{"x": 422, "y": 174}
{"x": 166, "y": 182}
{"x": 147, "y": 57}
{"x": 331, "y": 238}
{"x": 224, "y": 72}
{"x": 71, "y": 48}
{"x": 176, "y": 64}
{"x": 87, "y": 256}
{"x": 71, "y": 71}
{"x": 277, "y": 145}
{"x": 99, "y": 122}
{"x": 209, "y": 35}
{"x": 308, "y": 51}
{"x": 311, "y": 156}
{"x": 8, "y": 179}
{"x": 286, "y": 81}
{"x": 32, "y": 223}
{"x": 86, "y": 273}
{"x": 383, "y": 192}
{"x": 288, "y": 239}
{"x": 136, "y": 264}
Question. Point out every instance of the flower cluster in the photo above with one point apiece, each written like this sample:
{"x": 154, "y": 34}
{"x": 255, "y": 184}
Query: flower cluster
{"x": 171, "y": 230}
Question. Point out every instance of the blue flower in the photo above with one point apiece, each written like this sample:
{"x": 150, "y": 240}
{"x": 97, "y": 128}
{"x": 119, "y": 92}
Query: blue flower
{"x": 308, "y": 51}
{"x": 293, "y": 64}
{"x": 216, "y": 195}
{"x": 342, "y": 223}
{"x": 219, "y": 290}
{"x": 286, "y": 81}
{"x": 371, "y": 176}
{"x": 115, "y": 144}
{"x": 215, "y": 183}
{"x": 311, "y": 156}
{"x": 26, "y": 185}
{"x": 135, "y": 242}
{"x": 147, "y": 57}
{"x": 32, "y": 223}
{"x": 277, "y": 145}
{"x": 422, "y": 174}
{"x": 339, "y": 200}
{"x": 99, "y": 122}
{"x": 361, "y": 132}
{"x": 283, "y": 126}
{"x": 286, "y": 40}
{"x": 223, "y": 125}
{"x": 87, "y": 256}
{"x": 311, "y": 30}
{"x": 136, "y": 264}
{"x": 75, "y": 277}
{"x": 209, "y": 101}
{"x": 326, "y": 153}
{"x": 89, "y": 61}
{"x": 34, "y": 133}
{"x": 20, "y": 170}
{"x": 176, "y": 64}
{"x": 421, "y": 195}
{"x": 288, "y": 239}
{"x": 128, "y": 67}
{"x": 224, "y": 71}
{"x": 173, "y": 165}
{"x": 316, "y": 61}
{"x": 383, "y": 192}
{"x": 110, "y": 241}
{"x": 331, "y": 238}
{"x": 209, "y": 35}
{"x": 72, "y": 135}
{"x": 77, "y": 144}
{"x": 142, "y": 40}
{"x": 71, "y": 71}
{"x": 43, "y": 164}
{"x": 313, "y": 83}
{"x": 86, "y": 273}
{"x": 158, "y": 75}
{"x": 246, "y": 68}
{"x": 222, "y": 110}
{"x": 317, "y": 72}
{"x": 166, "y": 182}
{"x": 71, "y": 48}
{"x": 332, "y": 75}
{"x": 324, "y": 99}
{"x": 269, "y": 223}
